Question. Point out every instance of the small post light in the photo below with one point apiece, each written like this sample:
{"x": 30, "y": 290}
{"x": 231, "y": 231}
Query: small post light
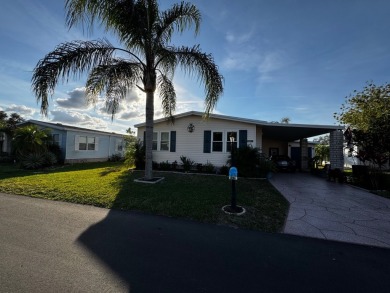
{"x": 233, "y": 174}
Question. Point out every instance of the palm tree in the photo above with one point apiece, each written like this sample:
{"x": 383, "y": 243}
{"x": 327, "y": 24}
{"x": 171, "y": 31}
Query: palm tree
{"x": 147, "y": 60}
{"x": 30, "y": 139}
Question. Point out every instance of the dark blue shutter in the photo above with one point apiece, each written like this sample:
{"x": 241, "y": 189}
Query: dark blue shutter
{"x": 144, "y": 142}
{"x": 207, "y": 141}
{"x": 173, "y": 142}
{"x": 243, "y": 138}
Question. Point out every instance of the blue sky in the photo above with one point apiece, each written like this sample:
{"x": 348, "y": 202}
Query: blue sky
{"x": 280, "y": 58}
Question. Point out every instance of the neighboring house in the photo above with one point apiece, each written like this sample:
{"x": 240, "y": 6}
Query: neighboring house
{"x": 82, "y": 144}
{"x": 207, "y": 140}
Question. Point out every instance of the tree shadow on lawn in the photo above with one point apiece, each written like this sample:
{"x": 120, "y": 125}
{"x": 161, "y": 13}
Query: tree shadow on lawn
{"x": 163, "y": 254}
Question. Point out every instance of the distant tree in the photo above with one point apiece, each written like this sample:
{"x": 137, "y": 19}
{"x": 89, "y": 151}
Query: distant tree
{"x": 147, "y": 59}
{"x": 285, "y": 120}
{"x": 322, "y": 148}
{"x": 367, "y": 115}
{"x": 8, "y": 123}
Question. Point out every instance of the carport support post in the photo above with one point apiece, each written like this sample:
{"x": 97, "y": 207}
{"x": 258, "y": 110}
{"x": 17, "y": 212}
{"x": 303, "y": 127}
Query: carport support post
{"x": 304, "y": 154}
{"x": 336, "y": 149}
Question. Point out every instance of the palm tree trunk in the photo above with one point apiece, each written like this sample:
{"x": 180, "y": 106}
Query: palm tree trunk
{"x": 149, "y": 135}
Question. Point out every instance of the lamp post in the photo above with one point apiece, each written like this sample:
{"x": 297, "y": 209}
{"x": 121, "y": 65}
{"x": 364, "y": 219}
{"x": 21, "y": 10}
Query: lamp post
{"x": 233, "y": 204}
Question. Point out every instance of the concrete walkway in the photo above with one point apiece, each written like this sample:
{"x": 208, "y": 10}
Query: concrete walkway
{"x": 334, "y": 211}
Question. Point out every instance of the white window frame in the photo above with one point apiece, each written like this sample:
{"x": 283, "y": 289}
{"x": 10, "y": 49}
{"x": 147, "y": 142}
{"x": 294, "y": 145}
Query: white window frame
{"x": 88, "y": 145}
{"x": 217, "y": 141}
{"x": 167, "y": 142}
{"x": 227, "y": 140}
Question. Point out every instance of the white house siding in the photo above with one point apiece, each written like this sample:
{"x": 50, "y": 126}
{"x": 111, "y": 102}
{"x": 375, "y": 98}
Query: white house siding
{"x": 190, "y": 145}
{"x": 105, "y": 147}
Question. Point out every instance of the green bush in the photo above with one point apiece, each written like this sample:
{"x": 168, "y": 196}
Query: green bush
{"x": 135, "y": 155}
{"x": 32, "y": 161}
{"x": 246, "y": 160}
{"x": 209, "y": 168}
{"x": 187, "y": 163}
{"x": 165, "y": 166}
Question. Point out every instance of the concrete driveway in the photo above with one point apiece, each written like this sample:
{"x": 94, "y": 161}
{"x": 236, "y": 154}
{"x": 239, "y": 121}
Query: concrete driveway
{"x": 334, "y": 211}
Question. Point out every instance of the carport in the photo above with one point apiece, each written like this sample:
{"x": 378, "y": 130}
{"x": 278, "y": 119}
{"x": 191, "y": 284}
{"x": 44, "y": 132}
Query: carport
{"x": 292, "y": 132}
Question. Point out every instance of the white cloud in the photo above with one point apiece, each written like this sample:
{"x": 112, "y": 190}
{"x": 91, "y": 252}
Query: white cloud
{"x": 78, "y": 119}
{"x": 76, "y": 100}
{"x": 20, "y": 109}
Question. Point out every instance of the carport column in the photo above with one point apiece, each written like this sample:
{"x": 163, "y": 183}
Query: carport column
{"x": 304, "y": 152}
{"x": 336, "y": 149}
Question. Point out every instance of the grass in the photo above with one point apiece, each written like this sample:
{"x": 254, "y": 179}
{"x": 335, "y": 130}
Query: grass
{"x": 190, "y": 196}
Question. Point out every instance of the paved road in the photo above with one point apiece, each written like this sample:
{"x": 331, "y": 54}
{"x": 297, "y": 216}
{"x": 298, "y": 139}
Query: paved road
{"x": 48, "y": 246}
{"x": 329, "y": 210}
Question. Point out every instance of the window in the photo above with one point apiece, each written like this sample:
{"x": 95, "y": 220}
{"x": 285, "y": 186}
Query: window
{"x": 86, "y": 143}
{"x": 228, "y": 143}
{"x": 82, "y": 143}
{"x": 164, "y": 142}
{"x": 119, "y": 145}
{"x": 56, "y": 139}
{"x": 91, "y": 143}
{"x": 154, "y": 145}
{"x": 217, "y": 142}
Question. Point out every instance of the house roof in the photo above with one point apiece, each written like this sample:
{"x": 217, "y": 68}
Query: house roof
{"x": 273, "y": 130}
{"x": 64, "y": 127}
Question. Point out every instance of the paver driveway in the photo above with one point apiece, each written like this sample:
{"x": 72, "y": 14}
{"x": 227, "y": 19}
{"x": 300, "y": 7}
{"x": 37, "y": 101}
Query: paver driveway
{"x": 334, "y": 211}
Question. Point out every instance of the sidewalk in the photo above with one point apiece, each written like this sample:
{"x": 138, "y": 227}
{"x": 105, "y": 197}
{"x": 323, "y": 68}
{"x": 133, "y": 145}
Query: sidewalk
{"x": 334, "y": 211}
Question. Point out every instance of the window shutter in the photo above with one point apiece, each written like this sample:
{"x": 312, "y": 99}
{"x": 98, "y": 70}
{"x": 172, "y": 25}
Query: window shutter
{"x": 243, "y": 138}
{"x": 207, "y": 141}
{"x": 173, "y": 142}
{"x": 96, "y": 143}
{"x": 76, "y": 142}
{"x": 144, "y": 141}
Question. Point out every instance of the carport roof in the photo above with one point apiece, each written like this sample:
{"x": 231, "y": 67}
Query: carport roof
{"x": 272, "y": 130}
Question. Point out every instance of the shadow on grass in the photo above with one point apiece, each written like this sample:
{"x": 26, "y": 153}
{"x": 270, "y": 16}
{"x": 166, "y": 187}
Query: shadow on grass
{"x": 152, "y": 253}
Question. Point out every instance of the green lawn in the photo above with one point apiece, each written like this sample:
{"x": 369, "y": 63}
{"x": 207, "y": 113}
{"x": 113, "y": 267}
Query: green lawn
{"x": 191, "y": 196}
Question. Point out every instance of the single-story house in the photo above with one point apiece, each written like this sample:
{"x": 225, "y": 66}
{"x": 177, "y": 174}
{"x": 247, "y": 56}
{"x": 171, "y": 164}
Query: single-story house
{"x": 208, "y": 140}
{"x": 81, "y": 144}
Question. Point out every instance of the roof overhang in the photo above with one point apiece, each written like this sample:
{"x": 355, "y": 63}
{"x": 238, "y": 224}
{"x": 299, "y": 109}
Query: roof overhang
{"x": 291, "y": 132}
{"x": 271, "y": 130}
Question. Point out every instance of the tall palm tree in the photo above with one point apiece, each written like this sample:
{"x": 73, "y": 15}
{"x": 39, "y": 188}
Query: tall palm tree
{"x": 146, "y": 59}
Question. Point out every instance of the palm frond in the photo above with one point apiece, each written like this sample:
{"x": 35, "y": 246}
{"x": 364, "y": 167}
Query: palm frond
{"x": 109, "y": 13}
{"x": 114, "y": 78}
{"x": 167, "y": 95}
{"x": 68, "y": 59}
{"x": 180, "y": 17}
{"x": 193, "y": 61}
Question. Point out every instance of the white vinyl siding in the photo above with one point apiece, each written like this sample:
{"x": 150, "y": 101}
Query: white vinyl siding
{"x": 190, "y": 144}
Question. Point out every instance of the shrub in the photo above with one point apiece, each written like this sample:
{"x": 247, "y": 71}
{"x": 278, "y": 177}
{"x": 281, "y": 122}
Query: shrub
{"x": 32, "y": 161}
{"x": 247, "y": 159}
{"x": 165, "y": 166}
{"x": 209, "y": 168}
{"x": 49, "y": 158}
{"x": 135, "y": 155}
{"x": 187, "y": 163}
{"x": 115, "y": 158}
{"x": 224, "y": 170}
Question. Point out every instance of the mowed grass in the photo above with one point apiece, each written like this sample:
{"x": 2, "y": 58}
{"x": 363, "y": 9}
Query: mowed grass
{"x": 191, "y": 196}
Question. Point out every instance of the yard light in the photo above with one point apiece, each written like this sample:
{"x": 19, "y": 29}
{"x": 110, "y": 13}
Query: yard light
{"x": 233, "y": 174}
